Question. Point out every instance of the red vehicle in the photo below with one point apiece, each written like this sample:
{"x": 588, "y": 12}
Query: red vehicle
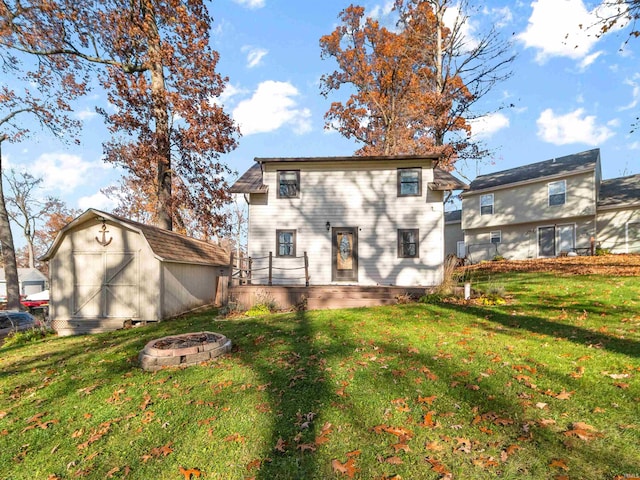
{"x": 35, "y": 300}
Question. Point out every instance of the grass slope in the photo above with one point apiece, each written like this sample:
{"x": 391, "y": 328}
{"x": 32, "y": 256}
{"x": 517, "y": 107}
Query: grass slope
{"x": 543, "y": 387}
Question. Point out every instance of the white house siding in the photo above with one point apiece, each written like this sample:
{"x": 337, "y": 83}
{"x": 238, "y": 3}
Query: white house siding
{"x": 614, "y": 232}
{"x": 529, "y": 202}
{"x": 81, "y": 265}
{"x": 520, "y": 242}
{"x": 187, "y": 286}
{"x": 362, "y": 195}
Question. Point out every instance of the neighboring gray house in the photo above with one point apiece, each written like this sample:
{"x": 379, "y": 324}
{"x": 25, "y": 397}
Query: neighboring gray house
{"x": 107, "y": 271}
{"x": 31, "y": 280}
{"x": 453, "y": 234}
{"x": 619, "y": 215}
{"x": 550, "y": 208}
{"x": 361, "y": 220}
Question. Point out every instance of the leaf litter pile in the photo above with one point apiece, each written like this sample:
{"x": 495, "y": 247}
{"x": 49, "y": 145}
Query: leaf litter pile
{"x": 546, "y": 387}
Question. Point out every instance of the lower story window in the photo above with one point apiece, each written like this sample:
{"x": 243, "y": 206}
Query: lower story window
{"x": 496, "y": 237}
{"x": 408, "y": 243}
{"x": 286, "y": 243}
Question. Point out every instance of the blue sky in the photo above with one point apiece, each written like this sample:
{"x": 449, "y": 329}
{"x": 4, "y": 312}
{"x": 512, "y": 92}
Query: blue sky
{"x": 571, "y": 91}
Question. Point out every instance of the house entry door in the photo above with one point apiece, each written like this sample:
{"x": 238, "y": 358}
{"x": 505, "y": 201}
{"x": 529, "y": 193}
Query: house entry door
{"x": 566, "y": 236}
{"x": 344, "y": 254}
{"x": 546, "y": 241}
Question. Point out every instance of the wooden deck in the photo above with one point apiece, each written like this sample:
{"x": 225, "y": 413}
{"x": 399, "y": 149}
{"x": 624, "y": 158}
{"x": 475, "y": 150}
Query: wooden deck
{"x": 317, "y": 297}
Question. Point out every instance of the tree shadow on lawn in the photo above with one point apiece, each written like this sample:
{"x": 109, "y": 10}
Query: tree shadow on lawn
{"x": 542, "y": 326}
{"x": 302, "y": 393}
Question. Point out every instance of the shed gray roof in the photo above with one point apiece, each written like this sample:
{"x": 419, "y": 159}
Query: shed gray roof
{"x": 251, "y": 180}
{"x": 166, "y": 245}
{"x": 620, "y": 191}
{"x": 556, "y": 166}
{"x": 26, "y": 275}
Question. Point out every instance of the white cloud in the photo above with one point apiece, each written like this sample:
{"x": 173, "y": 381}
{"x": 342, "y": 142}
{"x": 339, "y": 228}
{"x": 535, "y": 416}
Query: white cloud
{"x": 271, "y": 107}
{"x": 574, "y": 127}
{"x": 563, "y": 28}
{"x": 635, "y": 94}
{"x": 98, "y": 200}
{"x": 254, "y": 55}
{"x": 61, "y": 171}
{"x": 454, "y": 19}
{"x": 86, "y": 114}
{"x": 383, "y": 10}
{"x": 486, "y": 126}
{"x": 251, "y": 3}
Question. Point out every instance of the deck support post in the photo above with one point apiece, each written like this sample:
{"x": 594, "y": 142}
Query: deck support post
{"x": 306, "y": 269}
{"x": 270, "y": 268}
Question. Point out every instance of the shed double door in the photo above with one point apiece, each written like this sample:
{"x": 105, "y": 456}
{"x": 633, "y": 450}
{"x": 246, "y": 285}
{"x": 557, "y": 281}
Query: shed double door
{"x": 106, "y": 285}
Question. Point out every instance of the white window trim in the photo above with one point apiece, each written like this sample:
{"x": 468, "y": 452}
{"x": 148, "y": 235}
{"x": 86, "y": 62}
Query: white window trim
{"x": 492, "y": 203}
{"x": 564, "y": 184}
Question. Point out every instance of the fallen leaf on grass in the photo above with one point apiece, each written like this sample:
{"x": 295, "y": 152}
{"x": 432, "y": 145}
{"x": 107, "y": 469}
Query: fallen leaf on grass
{"x": 427, "y": 400}
{"x": 235, "y": 437}
{"x": 434, "y": 446}
{"x": 348, "y": 468}
{"x": 394, "y": 460}
{"x": 582, "y": 431}
{"x": 438, "y": 467}
{"x": 280, "y": 445}
{"x": 564, "y": 395}
{"x": 559, "y": 463}
{"x": 187, "y": 472}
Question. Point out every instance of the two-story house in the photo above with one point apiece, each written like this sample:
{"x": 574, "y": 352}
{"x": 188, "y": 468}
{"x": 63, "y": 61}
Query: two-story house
{"x": 537, "y": 210}
{"x": 360, "y": 220}
{"x": 546, "y": 209}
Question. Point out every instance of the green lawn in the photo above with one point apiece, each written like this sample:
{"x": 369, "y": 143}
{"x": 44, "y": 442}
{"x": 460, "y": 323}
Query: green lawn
{"x": 543, "y": 387}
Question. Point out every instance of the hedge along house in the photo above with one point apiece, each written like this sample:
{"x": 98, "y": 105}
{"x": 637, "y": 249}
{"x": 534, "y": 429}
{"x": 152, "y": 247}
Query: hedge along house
{"x": 107, "y": 271}
{"x": 356, "y": 221}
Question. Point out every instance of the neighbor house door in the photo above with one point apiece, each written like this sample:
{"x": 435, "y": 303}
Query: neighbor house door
{"x": 344, "y": 254}
{"x": 546, "y": 241}
{"x": 633, "y": 237}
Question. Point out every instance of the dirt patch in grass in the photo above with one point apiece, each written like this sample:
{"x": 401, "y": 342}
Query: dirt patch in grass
{"x": 614, "y": 265}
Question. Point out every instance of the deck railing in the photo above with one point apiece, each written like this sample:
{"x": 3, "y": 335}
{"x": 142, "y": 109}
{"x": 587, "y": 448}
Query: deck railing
{"x": 253, "y": 271}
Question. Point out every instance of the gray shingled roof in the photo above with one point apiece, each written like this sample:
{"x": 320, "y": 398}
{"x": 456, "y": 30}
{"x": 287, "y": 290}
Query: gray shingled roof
{"x": 620, "y": 191}
{"x": 453, "y": 216}
{"x": 251, "y": 180}
{"x": 166, "y": 245}
{"x": 548, "y": 168}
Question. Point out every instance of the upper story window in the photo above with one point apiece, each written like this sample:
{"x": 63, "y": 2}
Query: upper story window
{"x": 557, "y": 192}
{"x": 408, "y": 243}
{"x": 286, "y": 243}
{"x": 496, "y": 237}
{"x": 409, "y": 182}
{"x": 486, "y": 204}
{"x": 288, "y": 183}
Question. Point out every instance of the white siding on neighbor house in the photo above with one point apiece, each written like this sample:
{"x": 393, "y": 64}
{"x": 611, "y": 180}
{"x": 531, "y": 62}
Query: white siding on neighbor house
{"x": 81, "y": 268}
{"x": 529, "y": 202}
{"x": 362, "y": 195}
{"x": 614, "y": 232}
{"x": 521, "y": 241}
{"x": 187, "y": 286}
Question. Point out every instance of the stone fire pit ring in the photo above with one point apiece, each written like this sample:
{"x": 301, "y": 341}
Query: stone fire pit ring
{"x": 183, "y": 349}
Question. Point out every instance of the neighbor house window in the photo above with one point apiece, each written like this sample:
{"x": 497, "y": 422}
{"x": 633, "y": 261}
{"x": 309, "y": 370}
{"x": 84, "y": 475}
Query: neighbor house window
{"x": 288, "y": 183}
{"x": 557, "y": 192}
{"x": 486, "y": 204}
{"x": 286, "y": 243}
{"x": 409, "y": 182}
{"x": 408, "y": 243}
{"x": 496, "y": 237}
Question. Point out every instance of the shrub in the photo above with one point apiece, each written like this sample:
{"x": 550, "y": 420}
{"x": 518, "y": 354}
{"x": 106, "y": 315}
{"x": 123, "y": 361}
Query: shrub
{"x": 28, "y": 336}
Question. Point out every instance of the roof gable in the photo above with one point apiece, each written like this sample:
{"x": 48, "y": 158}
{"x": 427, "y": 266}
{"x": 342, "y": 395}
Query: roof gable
{"x": 166, "y": 245}
{"x": 569, "y": 164}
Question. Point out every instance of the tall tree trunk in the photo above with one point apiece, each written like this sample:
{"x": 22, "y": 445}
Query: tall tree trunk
{"x": 160, "y": 114}
{"x": 8, "y": 252}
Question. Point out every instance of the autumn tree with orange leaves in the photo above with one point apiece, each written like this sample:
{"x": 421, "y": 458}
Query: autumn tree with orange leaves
{"x": 415, "y": 86}
{"x": 154, "y": 60}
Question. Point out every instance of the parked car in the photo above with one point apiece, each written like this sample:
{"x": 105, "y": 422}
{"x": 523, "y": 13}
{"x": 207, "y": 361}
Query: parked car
{"x": 13, "y": 321}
